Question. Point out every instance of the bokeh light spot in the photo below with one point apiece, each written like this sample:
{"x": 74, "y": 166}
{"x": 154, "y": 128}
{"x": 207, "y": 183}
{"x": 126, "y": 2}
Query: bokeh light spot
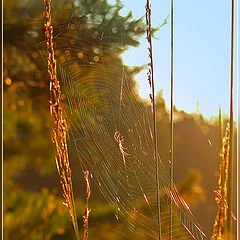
{"x": 35, "y": 55}
{"x": 72, "y": 26}
{"x": 13, "y": 107}
{"x": 67, "y": 52}
{"x": 96, "y": 58}
{"x": 80, "y": 55}
{"x": 8, "y": 81}
{"x": 21, "y": 84}
{"x": 21, "y": 102}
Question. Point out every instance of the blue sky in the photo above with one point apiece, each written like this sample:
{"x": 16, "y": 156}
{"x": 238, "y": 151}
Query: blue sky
{"x": 201, "y": 53}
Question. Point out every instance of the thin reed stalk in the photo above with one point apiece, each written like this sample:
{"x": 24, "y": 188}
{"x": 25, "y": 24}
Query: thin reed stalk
{"x": 87, "y": 210}
{"x": 229, "y": 197}
{"x": 152, "y": 98}
{"x": 171, "y": 129}
{"x": 59, "y": 123}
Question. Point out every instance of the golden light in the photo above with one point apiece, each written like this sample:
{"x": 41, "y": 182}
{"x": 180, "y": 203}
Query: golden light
{"x": 42, "y": 84}
{"x": 13, "y": 107}
{"x": 75, "y": 64}
{"x": 72, "y": 26}
{"x": 72, "y": 42}
{"x": 21, "y": 103}
{"x": 69, "y": 5}
{"x": 21, "y": 84}
{"x": 62, "y": 59}
{"x": 35, "y": 55}
{"x": 96, "y": 58}
{"x": 80, "y": 55}
{"x": 67, "y": 52}
{"x": 8, "y": 81}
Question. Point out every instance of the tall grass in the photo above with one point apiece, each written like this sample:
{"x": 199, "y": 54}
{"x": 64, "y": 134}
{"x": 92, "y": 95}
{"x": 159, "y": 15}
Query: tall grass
{"x": 87, "y": 210}
{"x": 152, "y": 98}
{"x": 59, "y": 123}
{"x": 221, "y": 231}
{"x": 171, "y": 128}
{"x": 221, "y": 193}
{"x": 229, "y": 186}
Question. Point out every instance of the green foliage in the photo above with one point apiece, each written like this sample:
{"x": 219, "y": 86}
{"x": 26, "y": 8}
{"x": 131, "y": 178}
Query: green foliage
{"x": 32, "y": 215}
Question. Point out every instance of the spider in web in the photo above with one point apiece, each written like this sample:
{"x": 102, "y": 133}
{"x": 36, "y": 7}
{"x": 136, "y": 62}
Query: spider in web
{"x": 119, "y": 138}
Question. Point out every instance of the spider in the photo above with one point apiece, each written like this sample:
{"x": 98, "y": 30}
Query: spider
{"x": 119, "y": 138}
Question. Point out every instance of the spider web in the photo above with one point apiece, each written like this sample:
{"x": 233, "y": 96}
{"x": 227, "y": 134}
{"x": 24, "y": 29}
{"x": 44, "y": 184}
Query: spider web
{"x": 112, "y": 132}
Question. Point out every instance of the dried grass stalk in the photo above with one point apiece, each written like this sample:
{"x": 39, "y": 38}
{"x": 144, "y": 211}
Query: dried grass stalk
{"x": 221, "y": 193}
{"x": 152, "y": 98}
{"x": 87, "y": 210}
{"x": 59, "y": 123}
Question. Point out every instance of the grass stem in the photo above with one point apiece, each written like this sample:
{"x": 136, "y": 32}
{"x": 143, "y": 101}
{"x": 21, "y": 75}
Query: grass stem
{"x": 59, "y": 123}
{"x": 171, "y": 128}
{"x": 87, "y": 210}
{"x": 229, "y": 196}
{"x": 152, "y": 97}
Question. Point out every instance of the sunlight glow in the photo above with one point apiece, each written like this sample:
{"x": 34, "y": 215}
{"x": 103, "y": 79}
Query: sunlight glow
{"x": 201, "y": 55}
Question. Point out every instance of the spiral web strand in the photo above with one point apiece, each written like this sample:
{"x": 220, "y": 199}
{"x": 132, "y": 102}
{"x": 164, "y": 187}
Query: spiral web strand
{"x": 112, "y": 131}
